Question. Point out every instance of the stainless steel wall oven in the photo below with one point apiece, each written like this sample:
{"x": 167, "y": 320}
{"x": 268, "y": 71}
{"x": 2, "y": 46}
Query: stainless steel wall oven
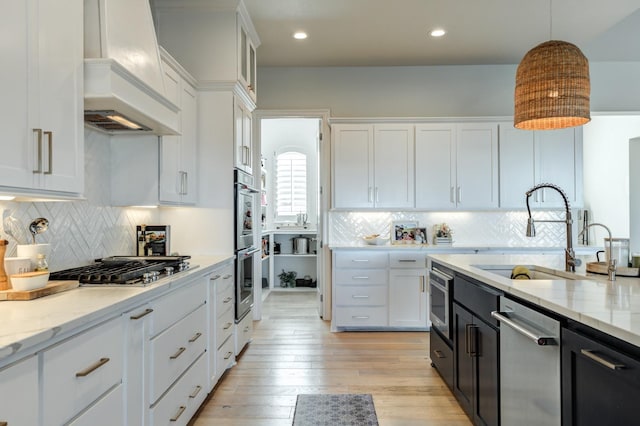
{"x": 245, "y": 202}
{"x": 440, "y": 284}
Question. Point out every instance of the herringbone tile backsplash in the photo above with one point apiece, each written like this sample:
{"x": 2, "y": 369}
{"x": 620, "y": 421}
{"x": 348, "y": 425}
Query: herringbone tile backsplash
{"x": 81, "y": 231}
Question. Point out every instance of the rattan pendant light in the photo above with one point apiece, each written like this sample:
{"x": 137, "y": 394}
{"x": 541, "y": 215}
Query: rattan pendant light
{"x": 552, "y": 87}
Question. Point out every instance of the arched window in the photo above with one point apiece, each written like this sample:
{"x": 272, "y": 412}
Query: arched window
{"x": 291, "y": 185}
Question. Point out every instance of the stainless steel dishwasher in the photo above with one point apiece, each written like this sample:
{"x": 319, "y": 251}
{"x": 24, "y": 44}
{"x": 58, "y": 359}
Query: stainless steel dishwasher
{"x": 529, "y": 366}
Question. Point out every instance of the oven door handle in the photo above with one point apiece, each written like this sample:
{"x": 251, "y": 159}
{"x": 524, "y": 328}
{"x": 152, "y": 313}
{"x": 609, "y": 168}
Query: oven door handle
{"x": 250, "y": 252}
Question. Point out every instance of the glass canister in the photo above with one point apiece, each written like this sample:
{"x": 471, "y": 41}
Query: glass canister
{"x": 620, "y": 250}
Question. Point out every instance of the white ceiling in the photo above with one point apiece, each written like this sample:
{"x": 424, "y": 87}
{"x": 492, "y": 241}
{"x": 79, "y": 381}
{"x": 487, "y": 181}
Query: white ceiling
{"x": 394, "y": 32}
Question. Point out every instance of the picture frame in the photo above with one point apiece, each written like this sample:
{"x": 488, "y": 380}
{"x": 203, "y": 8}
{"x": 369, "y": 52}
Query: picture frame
{"x": 403, "y": 231}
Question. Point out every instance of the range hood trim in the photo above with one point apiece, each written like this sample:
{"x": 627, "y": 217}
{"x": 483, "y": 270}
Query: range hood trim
{"x": 110, "y": 86}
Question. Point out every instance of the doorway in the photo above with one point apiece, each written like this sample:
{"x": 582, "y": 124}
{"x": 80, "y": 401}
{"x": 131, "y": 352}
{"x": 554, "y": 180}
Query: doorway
{"x": 294, "y": 188}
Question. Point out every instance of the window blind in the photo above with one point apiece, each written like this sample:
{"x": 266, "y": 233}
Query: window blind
{"x": 291, "y": 184}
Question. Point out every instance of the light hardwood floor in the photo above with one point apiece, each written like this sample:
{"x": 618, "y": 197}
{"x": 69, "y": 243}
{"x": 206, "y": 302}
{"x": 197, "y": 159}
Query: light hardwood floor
{"x": 293, "y": 351}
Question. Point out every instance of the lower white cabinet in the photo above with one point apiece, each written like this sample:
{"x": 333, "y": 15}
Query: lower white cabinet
{"x": 80, "y": 370}
{"x": 244, "y": 330}
{"x": 222, "y": 315}
{"x": 19, "y": 389}
{"x": 138, "y": 326}
{"x": 104, "y": 411}
{"x": 380, "y": 289}
{"x": 182, "y": 400}
{"x": 360, "y": 281}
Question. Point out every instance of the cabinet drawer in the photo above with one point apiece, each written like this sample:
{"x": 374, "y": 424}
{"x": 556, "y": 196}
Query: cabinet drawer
{"x": 108, "y": 411}
{"x": 441, "y": 357}
{"x": 480, "y": 300}
{"x": 244, "y": 330}
{"x": 408, "y": 260}
{"x": 223, "y": 278}
{"x": 361, "y": 259}
{"x": 184, "y": 398}
{"x": 78, "y": 371}
{"x": 361, "y": 295}
{"x": 224, "y": 327}
{"x": 224, "y": 356}
{"x": 19, "y": 389}
{"x": 361, "y": 276}
{"x": 224, "y": 300}
{"x": 361, "y": 316}
{"x": 175, "y": 349}
{"x": 172, "y": 307}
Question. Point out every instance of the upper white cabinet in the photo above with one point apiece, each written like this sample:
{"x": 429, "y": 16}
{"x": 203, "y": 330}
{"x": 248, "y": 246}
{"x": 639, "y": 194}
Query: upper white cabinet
{"x": 220, "y": 44}
{"x": 373, "y": 165}
{"x": 456, "y": 166}
{"x": 151, "y": 170}
{"x": 178, "y": 153}
{"x": 41, "y": 107}
{"x": 242, "y": 136}
{"x": 528, "y": 158}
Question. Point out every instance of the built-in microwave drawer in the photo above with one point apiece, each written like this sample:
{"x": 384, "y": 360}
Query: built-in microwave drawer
{"x": 408, "y": 260}
{"x": 361, "y": 259}
{"x": 361, "y": 276}
{"x": 361, "y": 295}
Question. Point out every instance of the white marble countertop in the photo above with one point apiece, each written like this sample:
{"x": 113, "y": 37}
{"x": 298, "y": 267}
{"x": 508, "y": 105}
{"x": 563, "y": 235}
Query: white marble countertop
{"x": 27, "y": 326}
{"x": 612, "y": 307}
{"x": 433, "y": 248}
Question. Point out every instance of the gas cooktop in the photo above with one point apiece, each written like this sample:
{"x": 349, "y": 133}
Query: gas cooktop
{"x": 124, "y": 270}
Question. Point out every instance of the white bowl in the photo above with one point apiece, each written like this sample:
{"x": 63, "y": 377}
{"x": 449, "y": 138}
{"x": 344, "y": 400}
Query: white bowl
{"x": 29, "y": 280}
{"x": 375, "y": 241}
{"x": 17, "y": 265}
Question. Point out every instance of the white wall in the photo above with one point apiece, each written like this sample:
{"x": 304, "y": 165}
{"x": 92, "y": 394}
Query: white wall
{"x": 606, "y": 171}
{"x": 437, "y": 91}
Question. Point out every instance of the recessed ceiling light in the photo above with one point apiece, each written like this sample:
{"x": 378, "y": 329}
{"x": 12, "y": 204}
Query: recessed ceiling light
{"x": 300, "y": 35}
{"x": 438, "y": 32}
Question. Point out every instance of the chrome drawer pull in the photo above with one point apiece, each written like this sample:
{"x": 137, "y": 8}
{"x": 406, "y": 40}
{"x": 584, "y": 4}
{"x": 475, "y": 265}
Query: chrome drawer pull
{"x": 356, "y": 296}
{"x": 589, "y": 353}
{"x": 439, "y": 354}
{"x": 145, "y": 313}
{"x": 92, "y": 368}
{"x": 195, "y": 337}
{"x": 360, "y": 260}
{"x": 228, "y": 355}
{"x": 177, "y": 354}
{"x": 359, "y": 277}
{"x": 360, "y": 317}
{"x": 525, "y": 331}
{"x": 227, "y": 300}
{"x": 227, "y": 326}
{"x": 178, "y": 414}
{"x": 196, "y": 392}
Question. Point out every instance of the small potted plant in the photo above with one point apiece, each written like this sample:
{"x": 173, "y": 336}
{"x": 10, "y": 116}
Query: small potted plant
{"x": 442, "y": 234}
{"x": 287, "y": 279}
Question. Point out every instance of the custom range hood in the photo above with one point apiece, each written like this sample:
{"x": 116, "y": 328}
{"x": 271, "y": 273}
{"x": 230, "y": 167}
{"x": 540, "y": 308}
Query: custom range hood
{"x": 123, "y": 85}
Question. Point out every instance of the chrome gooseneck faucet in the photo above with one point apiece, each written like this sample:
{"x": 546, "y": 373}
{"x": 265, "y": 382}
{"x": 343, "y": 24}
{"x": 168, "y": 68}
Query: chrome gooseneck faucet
{"x": 570, "y": 261}
{"x": 611, "y": 265}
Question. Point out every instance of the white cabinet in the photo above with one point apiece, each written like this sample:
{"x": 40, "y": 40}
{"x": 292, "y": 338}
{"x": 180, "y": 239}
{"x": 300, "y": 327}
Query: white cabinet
{"x": 222, "y": 322}
{"x": 456, "y": 166}
{"x": 19, "y": 389}
{"x": 408, "y": 295}
{"x": 178, "y": 153}
{"x": 137, "y": 331}
{"x": 147, "y": 170}
{"x": 41, "y": 106}
{"x": 86, "y": 367}
{"x": 373, "y": 165}
{"x": 247, "y": 64}
{"x": 528, "y": 158}
{"x": 360, "y": 286}
{"x": 243, "y": 141}
{"x": 244, "y": 331}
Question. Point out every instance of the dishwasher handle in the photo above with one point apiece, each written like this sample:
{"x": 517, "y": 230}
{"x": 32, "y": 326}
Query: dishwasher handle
{"x": 522, "y": 329}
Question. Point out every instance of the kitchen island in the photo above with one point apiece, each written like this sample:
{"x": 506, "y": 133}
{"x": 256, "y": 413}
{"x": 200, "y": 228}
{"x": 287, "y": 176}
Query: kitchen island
{"x": 502, "y": 365}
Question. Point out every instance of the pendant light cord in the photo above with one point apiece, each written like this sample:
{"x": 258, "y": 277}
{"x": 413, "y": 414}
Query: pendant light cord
{"x": 550, "y": 19}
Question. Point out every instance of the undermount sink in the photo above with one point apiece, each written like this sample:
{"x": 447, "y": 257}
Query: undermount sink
{"x": 535, "y": 272}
